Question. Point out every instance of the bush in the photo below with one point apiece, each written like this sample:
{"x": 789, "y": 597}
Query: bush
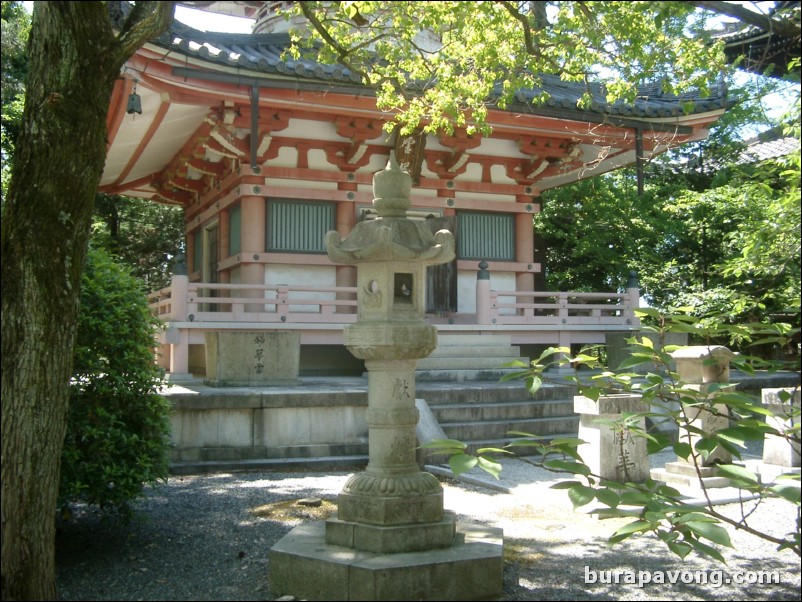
{"x": 118, "y": 425}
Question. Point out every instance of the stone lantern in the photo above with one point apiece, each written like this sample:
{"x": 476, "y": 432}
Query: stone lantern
{"x": 391, "y": 254}
{"x": 391, "y": 539}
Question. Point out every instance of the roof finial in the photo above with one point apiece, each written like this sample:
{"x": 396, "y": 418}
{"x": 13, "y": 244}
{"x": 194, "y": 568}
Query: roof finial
{"x": 391, "y": 189}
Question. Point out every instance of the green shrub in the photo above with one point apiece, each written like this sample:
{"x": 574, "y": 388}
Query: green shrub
{"x": 118, "y": 425}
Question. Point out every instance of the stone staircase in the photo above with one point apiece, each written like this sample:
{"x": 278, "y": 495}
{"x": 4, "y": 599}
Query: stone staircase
{"x": 483, "y": 416}
{"x": 322, "y": 427}
{"x": 466, "y": 357}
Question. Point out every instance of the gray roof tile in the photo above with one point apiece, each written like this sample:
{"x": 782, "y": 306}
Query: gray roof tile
{"x": 267, "y": 54}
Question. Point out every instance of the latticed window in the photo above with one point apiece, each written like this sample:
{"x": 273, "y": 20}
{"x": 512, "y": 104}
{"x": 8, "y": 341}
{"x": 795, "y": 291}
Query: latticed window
{"x": 489, "y": 236}
{"x": 234, "y": 230}
{"x": 298, "y": 226}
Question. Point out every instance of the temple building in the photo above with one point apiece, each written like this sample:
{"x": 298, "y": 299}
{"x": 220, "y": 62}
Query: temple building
{"x": 266, "y": 154}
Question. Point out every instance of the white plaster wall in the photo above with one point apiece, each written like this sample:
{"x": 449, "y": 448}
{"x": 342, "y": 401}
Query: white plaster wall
{"x": 303, "y": 275}
{"x": 308, "y": 128}
{"x": 466, "y": 289}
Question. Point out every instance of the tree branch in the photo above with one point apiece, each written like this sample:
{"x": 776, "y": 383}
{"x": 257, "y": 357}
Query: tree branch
{"x": 342, "y": 52}
{"x": 146, "y": 21}
{"x": 783, "y": 27}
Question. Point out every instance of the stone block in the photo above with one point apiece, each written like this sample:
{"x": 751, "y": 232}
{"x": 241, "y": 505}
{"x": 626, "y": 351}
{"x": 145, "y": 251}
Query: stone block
{"x": 252, "y": 359}
{"x": 779, "y": 450}
{"x": 303, "y": 565}
{"x": 378, "y": 509}
{"x": 392, "y": 539}
{"x": 608, "y": 452}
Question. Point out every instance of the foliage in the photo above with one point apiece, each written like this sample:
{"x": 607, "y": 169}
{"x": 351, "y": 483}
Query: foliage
{"x": 443, "y": 64}
{"x": 16, "y": 24}
{"x": 727, "y": 244}
{"x": 593, "y": 232}
{"x": 654, "y": 506}
{"x": 142, "y": 235}
{"x": 118, "y": 423}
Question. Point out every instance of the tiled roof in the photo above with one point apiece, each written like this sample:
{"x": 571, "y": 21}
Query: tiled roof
{"x": 769, "y": 145}
{"x": 759, "y": 49}
{"x": 267, "y": 54}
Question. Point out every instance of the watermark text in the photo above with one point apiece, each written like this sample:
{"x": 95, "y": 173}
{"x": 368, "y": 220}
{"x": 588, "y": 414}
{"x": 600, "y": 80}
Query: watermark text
{"x": 714, "y": 578}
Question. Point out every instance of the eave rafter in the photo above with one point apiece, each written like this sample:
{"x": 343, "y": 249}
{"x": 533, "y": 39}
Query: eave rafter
{"x": 548, "y": 156}
{"x": 358, "y": 130}
{"x": 460, "y": 142}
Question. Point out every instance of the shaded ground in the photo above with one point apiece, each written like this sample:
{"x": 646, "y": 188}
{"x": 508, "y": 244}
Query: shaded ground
{"x": 208, "y": 537}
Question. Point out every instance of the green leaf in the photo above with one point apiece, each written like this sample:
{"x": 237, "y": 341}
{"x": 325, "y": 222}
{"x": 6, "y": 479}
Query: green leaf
{"x": 581, "y": 494}
{"x": 563, "y": 485}
{"x": 680, "y": 548}
{"x": 445, "y": 444}
{"x": 461, "y": 463}
{"x": 741, "y": 434}
{"x": 682, "y": 449}
{"x": 787, "y": 491}
{"x": 489, "y": 466}
{"x": 740, "y": 473}
{"x": 710, "y": 531}
{"x": 567, "y": 466}
{"x": 629, "y": 529}
{"x": 492, "y": 450}
{"x": 608, "y": 497}
{"x": 706, "y": 446}
{"x": 533, "y": 384}
{"x": 707, "y": 550}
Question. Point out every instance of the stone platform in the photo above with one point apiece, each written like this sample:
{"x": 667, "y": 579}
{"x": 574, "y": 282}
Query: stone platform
{"x": 303, "y": 565}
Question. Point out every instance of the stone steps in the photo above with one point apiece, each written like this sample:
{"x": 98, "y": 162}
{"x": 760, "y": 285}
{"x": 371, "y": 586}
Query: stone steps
{"x": 466, "y": 357}
{"x": 484, "y": 415}
{"x": 320, "y": 425}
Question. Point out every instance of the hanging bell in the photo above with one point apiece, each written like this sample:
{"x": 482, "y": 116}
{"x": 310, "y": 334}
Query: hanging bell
{"x": 134, "y": 103}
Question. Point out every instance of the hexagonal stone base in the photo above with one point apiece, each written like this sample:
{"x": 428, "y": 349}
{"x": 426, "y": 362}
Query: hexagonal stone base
{"x": 303, "y": 565}
{"x": 392, "y": 539}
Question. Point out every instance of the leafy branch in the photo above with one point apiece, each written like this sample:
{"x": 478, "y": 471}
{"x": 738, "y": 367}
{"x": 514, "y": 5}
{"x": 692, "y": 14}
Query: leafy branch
{"x": 656, "y": 507}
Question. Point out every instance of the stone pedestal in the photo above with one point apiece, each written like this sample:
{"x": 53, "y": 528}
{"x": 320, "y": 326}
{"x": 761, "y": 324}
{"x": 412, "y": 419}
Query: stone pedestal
{"x": 470, "y": 569}
{"x": 700, "y": 367}
{"x": 610, "y": 452}
{"x": 391, "y": 539}
{"x": 779, "y": 450}
{"x": 252, "y": 359}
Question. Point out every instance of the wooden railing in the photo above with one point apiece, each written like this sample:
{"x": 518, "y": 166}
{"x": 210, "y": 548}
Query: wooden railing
{"x": 516, "y": 307}
{"x": 192, "y": 309}
{"x": 214, "y": 302}
{"x": 210, "y": 303}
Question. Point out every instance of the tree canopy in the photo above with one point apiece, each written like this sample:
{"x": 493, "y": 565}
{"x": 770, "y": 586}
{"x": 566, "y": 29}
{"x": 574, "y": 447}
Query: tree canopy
{"x": 441, "y": 64}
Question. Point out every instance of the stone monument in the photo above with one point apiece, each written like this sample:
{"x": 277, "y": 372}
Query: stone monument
{"x": 612, "y": 453}
{"x": 703, "y": 369}
{"x": 391, "y": 539}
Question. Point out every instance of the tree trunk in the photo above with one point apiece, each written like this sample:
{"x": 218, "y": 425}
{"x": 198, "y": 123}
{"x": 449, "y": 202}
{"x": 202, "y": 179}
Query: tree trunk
{"x": 74, "y": 60}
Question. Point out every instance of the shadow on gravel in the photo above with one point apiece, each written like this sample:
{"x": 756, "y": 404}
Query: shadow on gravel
{"x": 197, "y": 538}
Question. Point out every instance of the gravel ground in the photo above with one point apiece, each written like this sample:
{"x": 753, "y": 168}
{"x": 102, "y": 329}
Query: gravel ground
{"x": 207, "y": 538}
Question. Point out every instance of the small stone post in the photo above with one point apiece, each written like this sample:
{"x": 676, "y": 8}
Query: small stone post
{"x": 779, "y": 450}
{"x": 607, "y": 451}
{"x": 483, "y": 294}
{"x": 698, "y": 368}
{"x": 178, "y": 338}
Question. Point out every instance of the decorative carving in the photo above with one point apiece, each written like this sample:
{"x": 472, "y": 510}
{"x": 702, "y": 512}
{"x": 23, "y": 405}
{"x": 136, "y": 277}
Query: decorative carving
{"x": 421, "y": 483}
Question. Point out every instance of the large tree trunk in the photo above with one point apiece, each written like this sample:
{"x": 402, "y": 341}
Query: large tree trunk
{"x": 74, "y": 60}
